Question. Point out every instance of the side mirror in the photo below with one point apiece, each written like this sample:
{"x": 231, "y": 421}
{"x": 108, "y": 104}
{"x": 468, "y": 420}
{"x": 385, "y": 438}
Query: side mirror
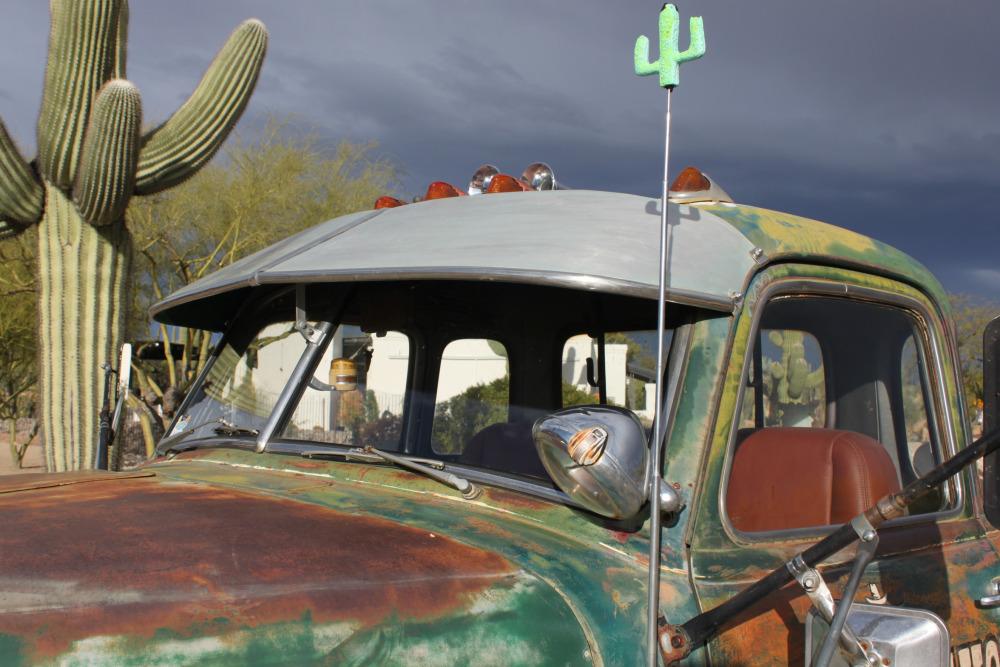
{"x": 597, "y": 455}
{"x": 901, "y": 636}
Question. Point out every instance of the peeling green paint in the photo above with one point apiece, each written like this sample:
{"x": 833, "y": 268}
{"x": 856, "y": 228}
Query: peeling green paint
{"x": 786, "y": 237}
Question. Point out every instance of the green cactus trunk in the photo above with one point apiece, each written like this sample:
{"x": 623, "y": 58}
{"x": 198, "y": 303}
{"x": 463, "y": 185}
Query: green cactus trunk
{"x": 91, "y": 161}
{"x": 82, "y": 272}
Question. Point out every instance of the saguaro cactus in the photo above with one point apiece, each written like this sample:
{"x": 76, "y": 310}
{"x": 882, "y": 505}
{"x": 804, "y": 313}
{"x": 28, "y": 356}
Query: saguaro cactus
{"x": 790, "y": 381}
{"x": 670, "y": 60}
{"x": 91, "y": 161}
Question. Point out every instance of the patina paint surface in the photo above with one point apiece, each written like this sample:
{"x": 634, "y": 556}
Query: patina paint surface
{"x": 156, "y": 570}
{"x": 785, "y": 237}
{"x": 943, "y": 566}
{"x": 598, "y": 569}
{"x": 232, "y": 557}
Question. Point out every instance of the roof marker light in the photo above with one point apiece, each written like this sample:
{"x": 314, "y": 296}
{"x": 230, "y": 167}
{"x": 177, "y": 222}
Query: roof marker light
{"x": 693, "y": 186}
{"x": 507, "y": 183}
{"x": 690, "y": 180}
{"x": 480, "y": 180}
{"x": 540, "y": 176}
{"x": 442, "y": 190}
{"x": 388, "y": 202}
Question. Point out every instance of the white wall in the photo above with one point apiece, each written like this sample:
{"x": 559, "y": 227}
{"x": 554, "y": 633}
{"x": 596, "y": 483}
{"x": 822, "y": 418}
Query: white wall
{"x": 574, "y": 366}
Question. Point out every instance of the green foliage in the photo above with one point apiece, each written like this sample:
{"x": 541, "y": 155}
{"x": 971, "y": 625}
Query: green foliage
{"x": 461, "y": 417}
{"x": 18, "y": 336}
{"x": 261, "y": 192}
{"x": 971, "y": 317}
{"x": 571, "y": 395}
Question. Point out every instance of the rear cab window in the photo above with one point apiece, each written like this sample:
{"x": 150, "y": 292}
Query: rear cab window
{"x": 473, "y": 393}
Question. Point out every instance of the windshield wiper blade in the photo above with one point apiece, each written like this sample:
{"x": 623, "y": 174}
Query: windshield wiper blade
{"x": 369, "y": 453}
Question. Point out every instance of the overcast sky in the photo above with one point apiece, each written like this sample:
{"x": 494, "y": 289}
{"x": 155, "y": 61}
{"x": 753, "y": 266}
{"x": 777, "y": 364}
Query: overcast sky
{"x": 880, "y": 116}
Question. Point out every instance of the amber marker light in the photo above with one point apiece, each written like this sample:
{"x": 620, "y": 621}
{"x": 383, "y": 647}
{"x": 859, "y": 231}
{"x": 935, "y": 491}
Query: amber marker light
{"x": 442, "y": 190}
{"x": 507, "y": 183}
{"x": 690, "y": 180}
{"x": 388, "y": 202}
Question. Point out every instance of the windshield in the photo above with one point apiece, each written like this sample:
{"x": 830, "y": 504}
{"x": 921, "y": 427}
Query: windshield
{"x": 455, "y": 372}
{"x": 243, "y": 383}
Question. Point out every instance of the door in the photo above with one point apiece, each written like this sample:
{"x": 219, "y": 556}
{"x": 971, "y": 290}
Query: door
{"x": 843, "y": 390}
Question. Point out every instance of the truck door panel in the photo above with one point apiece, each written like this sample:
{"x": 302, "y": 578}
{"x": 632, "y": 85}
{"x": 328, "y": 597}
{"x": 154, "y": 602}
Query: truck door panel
{"x": 815, "y": 362}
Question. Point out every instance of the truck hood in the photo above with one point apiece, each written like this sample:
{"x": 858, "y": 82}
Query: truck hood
{"x": 137, "y": 568}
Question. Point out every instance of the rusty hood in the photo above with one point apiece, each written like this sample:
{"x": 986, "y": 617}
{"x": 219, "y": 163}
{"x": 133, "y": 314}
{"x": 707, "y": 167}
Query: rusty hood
{"x": 141, "y": 569}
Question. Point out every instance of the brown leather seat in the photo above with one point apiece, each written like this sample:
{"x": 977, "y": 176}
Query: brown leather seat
{"x": 796, "y": 477}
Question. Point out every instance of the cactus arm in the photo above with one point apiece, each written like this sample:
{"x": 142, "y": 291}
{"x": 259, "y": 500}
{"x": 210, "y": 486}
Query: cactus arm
{"x": 642, "y": 65}
{"x": 21, "y": 193}
{"x": 696, "y": 49}
{"x": 178, "y": 148}
{"x": 82, "y": 56}
{"x": 120, "y": 42}
{"x": 106, "y": 177}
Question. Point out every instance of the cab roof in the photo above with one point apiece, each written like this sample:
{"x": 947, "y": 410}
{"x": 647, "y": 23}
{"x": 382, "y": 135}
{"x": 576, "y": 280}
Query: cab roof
{"x": 599, "y": 241}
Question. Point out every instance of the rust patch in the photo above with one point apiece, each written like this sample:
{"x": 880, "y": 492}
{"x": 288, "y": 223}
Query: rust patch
{"x": 44, "y": 480}
{"x": 138, "y": 556}
{"x": 515, "y": 500}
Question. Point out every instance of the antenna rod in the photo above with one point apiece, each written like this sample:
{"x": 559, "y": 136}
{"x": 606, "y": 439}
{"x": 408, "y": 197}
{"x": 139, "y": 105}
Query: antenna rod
{"x": 668, "y": 67}
{"x": 656, "y": 465}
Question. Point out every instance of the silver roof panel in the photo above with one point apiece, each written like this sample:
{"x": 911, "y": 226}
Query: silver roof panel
{"x": 590, "y": 240}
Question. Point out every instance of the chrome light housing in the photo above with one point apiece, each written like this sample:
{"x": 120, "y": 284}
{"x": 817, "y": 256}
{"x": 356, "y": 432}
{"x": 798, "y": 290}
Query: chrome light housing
{"x": 539, "y": 176}
{"x": 481, "y": 179}
{"x": 597, "y": 455}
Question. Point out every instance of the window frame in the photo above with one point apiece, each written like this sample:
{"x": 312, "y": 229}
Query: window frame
{"x": 927, "y": 330}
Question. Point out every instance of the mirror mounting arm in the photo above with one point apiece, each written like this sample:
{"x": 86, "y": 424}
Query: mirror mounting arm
{"x": 867, "y": 544}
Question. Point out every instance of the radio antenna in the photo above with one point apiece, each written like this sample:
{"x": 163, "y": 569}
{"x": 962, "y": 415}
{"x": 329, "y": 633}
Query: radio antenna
{"x": 668, "y": 67}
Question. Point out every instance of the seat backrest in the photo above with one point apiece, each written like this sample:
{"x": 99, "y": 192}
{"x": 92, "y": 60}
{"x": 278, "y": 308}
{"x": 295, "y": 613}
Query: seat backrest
{"x": 786, "y": 478}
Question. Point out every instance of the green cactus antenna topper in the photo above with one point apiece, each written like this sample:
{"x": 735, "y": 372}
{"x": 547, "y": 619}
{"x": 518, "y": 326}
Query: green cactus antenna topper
{"x": 668, "y": 65}
{"x": 662, "y": 497}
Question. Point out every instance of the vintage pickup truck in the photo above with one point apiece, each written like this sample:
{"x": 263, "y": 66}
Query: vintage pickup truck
{"x": 423, "y": 433}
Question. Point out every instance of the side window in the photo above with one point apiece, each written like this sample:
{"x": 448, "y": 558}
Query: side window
{"x": 473, "y": 392}
{"x": 367, "y": 411}
{"x": 836, "y": 412}
{"x": 915, "y": 399}
{"x": 786, "y": 385}
{"x": 629, "y": 367}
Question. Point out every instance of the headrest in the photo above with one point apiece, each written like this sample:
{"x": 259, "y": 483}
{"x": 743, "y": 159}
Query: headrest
{"x": 786, "y": 478}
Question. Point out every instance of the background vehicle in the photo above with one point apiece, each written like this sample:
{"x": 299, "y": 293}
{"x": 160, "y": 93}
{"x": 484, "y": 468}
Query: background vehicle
{"x": 354, "y": 478}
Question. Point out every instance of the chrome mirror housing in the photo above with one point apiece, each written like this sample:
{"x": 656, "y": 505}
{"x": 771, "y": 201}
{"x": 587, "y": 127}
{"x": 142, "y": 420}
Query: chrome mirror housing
{"x": 898, "y": 635}
{"x": 597, "y": 455}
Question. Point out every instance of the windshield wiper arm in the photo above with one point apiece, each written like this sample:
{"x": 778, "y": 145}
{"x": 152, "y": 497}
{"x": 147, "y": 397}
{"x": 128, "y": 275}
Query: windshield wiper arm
{"x": 467, "y": 488}
{"x": 225, "y": 428}
{"x": 229, "y": 428}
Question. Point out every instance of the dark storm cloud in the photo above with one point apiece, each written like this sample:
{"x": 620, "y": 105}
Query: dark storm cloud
{"x": 879, "y": 116}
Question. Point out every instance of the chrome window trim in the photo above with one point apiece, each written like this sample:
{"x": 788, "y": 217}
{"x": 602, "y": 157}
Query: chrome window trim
{"x": 929, "y": 324}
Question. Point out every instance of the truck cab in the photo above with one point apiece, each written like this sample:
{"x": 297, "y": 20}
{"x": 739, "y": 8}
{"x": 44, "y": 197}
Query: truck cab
{"x": 385, "y": 378}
